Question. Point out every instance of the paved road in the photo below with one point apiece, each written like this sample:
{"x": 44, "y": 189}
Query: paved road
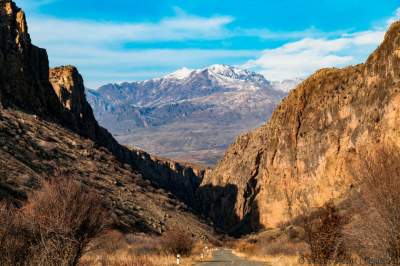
{"x": 225, "y": 257}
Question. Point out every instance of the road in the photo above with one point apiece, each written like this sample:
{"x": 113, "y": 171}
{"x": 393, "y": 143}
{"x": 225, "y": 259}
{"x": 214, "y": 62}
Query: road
{"x": 225, "y": 257}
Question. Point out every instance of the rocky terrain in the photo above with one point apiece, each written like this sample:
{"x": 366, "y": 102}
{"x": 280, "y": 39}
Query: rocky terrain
{"x": 306, "y": 146}
{"x": 33, "y": 149}
{"x": 174, "y": 116}
{"x": 48, "y": 130}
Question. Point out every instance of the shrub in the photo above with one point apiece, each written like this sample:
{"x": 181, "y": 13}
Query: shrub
{"x": 377, "y": 229}
{"x": 53, "y": 228}
{"x": 177, "y": 242}
{"x": 324, "y": 235}
{"x": 15, "y": 238}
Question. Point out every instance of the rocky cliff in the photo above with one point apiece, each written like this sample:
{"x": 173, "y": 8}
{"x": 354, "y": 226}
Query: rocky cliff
{"x": 57, "y": 96}
{"x": 24, "y": 67}
{"x": 305, "y": 146}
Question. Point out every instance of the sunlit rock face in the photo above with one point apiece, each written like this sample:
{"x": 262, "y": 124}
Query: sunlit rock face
{"x": 309, "y": 140}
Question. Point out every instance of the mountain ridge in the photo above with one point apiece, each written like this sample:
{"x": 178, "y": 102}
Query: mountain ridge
{"x": 221, "y": 100}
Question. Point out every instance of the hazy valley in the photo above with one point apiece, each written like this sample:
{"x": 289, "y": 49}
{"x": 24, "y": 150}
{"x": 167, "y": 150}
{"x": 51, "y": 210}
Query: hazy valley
{"x": 176, "y": 115}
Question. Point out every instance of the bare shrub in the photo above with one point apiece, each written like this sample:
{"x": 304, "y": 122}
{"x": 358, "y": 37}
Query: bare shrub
{"x": 15, "y": 239}
{"x": 177, "y": 242}
{"x": 376, "y": 230}
{"x": 53, "y": 228}
{"x": 323, "y": 233}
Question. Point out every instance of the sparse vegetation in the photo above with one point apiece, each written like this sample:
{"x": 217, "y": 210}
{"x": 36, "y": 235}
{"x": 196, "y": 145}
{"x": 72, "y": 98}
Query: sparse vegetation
{"x": 117, "y": 249}
{"x": 177, "y": 242}
{"x": 324, "y": 235}
{"x": 375, "y": 234}
{"x": 53, "y": 228}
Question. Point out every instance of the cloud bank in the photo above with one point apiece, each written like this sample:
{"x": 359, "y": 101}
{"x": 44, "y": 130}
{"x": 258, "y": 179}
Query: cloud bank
{"x": 302, "y": 57}
{"x": 99, "y": 48}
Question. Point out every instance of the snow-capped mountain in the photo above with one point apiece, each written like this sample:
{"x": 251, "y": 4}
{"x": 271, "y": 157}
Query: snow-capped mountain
{"x": 188, "y": 114}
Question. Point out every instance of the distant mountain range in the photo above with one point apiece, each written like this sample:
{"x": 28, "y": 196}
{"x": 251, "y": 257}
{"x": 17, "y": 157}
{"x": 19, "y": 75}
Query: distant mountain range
{"x": 190, "y": 115}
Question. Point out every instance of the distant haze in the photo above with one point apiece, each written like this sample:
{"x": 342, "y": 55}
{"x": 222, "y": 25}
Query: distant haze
{"x": 189, "y": 115}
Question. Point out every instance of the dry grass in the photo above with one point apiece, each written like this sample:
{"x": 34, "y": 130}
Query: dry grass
{"x": 281, "y": 260}
{"x": 125, "y": 258}
{"x": 274, "y": 242}
{"x": 117, "y": 249}
{"x": 275, "y": 247}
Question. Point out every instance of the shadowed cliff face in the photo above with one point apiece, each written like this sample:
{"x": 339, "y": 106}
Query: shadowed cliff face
{"x": 307, "y": 144}
{"x": 24, "y": 67}
{"x": 57, "y": 95}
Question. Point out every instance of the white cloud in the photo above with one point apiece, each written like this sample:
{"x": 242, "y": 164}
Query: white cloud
{"x": 267, "y": 34}
{"x": 51, "y": 30}
{"x": 98, "y": 47}
{"x": 100, "y": 65}
{"x": 303, "y": 57}
{"x": 300, "y": 58}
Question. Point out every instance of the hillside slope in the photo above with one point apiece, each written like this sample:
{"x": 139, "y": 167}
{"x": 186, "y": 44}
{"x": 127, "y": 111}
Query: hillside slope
{"x": 48, "y": 130}
{"x": 307, "y": 144}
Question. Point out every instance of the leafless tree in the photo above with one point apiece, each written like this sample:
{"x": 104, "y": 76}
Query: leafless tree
{"x": 376, "y": 229}
{"x": 323, "y": 231}
{"x": 54, "y": 226}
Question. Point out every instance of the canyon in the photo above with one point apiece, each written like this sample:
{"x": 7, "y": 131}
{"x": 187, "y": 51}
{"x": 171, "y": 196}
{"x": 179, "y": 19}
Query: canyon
{"x": 48, "y": 130}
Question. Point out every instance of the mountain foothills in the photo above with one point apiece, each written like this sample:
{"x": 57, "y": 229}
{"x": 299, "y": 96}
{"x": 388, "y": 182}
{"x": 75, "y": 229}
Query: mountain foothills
{"x": 48, "y": 131}
{"x": 176, "y": 115}
{"x": 306, "y": 146}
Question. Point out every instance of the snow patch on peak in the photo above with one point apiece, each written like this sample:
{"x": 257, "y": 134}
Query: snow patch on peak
{"x": 180, "y": 74}
{"x": 226, "y": 70}
{"x": 234, "y": 73}
{"x": 219, "y": 68}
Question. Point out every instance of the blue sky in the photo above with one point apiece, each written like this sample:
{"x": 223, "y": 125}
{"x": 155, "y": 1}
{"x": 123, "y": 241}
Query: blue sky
{"x": 127, "y": 40}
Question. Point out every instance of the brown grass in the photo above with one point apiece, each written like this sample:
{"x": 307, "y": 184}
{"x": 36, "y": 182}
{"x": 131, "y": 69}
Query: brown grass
{"x": 274, "y": 246}
{"x": 115, "y": 248}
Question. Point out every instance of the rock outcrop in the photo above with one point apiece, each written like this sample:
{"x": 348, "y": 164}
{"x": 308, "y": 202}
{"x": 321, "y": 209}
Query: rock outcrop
{"x": 179, "y": 179}
{"x": 58, "y": 96}
{"x": 307, "y": 144}
{"x": 24, "y": 67}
